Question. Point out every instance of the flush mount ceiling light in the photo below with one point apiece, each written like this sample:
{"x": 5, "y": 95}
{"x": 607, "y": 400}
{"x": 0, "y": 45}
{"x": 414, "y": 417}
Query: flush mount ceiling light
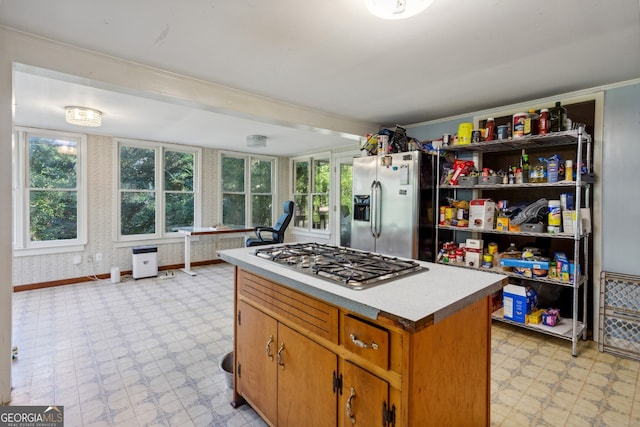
{"x": 256, "y": 141}
{"x": 83, "y": 116}
{"x": 396, "y": 9}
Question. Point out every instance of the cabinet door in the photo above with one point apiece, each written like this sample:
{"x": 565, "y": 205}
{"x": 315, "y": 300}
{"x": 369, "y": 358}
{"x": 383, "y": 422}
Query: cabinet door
{"x": 363, "y": 397}
{"x": 256, "y": 359}
{"x": 305, "y": 381}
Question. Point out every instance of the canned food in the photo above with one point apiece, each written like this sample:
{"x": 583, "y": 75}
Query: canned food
{"x": 476, "y": 136}
{"x": 503, "y": 132}
{"x": 553, "y": 229}
{"x": 450, "y": 213}
{"x": 493, "y": 248}
{"x": 553, "y": 271}
{"x": 487, "y": 261}
{"x": 518, "y": 124}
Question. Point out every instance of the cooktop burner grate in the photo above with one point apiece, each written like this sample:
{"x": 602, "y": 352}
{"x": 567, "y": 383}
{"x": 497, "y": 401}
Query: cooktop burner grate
{"x": 348, "y": 267}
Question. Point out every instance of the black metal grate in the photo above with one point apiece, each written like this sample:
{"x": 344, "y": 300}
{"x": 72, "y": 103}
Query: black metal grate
{"x": 349, "y": 267}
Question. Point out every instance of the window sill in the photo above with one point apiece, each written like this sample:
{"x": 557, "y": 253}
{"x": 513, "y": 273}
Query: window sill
{"x": 305, "y": 232}
{"x": 48, "y": 250}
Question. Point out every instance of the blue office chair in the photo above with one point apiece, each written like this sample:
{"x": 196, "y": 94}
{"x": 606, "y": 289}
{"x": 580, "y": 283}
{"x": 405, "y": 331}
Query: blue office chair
{"x": 276, "y": 232}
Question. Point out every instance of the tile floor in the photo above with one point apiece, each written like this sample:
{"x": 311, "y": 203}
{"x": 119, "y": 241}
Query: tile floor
{"x": 146, "y": 352}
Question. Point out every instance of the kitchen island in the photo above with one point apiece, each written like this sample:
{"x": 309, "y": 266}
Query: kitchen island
{"x": 412, "y": 351}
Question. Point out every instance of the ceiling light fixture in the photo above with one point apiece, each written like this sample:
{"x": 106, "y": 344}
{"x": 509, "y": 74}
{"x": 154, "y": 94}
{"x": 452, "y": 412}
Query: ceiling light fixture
{"x": 256, "y": 141}
{"x": 83, "y": 116}
{"x": 396, "y": 9}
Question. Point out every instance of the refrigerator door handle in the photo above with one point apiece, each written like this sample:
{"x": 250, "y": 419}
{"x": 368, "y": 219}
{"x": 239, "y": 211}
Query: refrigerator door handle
{"x": 376, "y": 189}
{"x": 372, "y": 208}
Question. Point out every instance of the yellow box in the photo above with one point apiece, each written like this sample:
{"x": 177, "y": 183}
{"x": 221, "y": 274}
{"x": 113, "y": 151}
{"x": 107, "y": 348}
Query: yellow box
{"x": 535, "y": 317}
{"x": 502, "y": 223}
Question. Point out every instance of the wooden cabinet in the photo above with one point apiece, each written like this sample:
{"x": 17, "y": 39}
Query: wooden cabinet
{"x": 303, "y": 361}
{"x": 305, "y": 381}
{"x": 273, "y": 360}
{"x": 255, "y": 359}
{"x": 364, "y": 397}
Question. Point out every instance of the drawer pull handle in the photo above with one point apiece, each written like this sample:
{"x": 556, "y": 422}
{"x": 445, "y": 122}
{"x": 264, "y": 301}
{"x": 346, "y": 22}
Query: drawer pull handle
{"x": 363, "y": 344}
{"x": 269, "y": 354}
{"x": 280, "y": 357}
{"x": 352, "y": 394}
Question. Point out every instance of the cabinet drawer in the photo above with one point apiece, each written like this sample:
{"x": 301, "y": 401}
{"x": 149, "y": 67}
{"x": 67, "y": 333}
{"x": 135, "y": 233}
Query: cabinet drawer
{"x": 306, "y": 312}
{"x": 366, "y": 340}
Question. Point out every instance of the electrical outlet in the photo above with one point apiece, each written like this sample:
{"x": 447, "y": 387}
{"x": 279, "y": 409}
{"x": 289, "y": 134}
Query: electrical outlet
{"x": 99, "y": 256}
{"x": 89, "y": 258}
{"x": 77, "y": 259}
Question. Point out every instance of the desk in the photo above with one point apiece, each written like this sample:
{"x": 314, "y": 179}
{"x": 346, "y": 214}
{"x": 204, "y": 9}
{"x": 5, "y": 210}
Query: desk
{"x": 201, "y": 231}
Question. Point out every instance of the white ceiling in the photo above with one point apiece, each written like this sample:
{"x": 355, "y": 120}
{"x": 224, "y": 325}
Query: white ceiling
{"x": 330, "y": 56}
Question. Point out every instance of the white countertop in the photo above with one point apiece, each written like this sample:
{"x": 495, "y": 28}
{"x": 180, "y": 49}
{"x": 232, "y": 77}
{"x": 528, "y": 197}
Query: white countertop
{"x": 427, "y": 296}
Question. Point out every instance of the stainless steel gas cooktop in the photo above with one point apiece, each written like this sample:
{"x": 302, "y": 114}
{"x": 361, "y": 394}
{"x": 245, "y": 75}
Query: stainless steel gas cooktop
{"x": 348, "y": 267}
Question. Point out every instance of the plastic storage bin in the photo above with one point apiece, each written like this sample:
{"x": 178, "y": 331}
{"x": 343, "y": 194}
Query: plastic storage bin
{"x": 145, "y": 261}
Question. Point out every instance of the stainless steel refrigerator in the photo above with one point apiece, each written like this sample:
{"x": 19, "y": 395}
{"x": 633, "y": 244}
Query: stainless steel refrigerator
{"x": 393, "y": 200}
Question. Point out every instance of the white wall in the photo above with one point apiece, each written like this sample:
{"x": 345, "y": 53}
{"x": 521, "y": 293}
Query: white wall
{"x": 620, "y": 180}
{"x": 6, "y": 136}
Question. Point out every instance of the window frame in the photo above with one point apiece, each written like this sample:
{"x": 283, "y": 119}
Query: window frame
{"x": 159, "y": 188}
{"x": 311, "y": 159}
{"x": 247, "y": 158}
{"x": 22, "y": 243}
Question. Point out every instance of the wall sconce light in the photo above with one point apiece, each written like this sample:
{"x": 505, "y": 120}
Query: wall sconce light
{"x": 83, "y": 116}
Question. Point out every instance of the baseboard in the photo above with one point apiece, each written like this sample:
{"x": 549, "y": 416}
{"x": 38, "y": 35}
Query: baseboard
{"x": 75, "y": 280}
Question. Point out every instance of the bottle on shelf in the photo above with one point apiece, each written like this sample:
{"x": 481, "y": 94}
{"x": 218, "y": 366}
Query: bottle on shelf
{"x": 538, "y": 173}
{"x": 553, "y": 165}
{"x": 531, "y": 123}
{"x": 558, "y": 116}
{"x": 524, "y": 164}
{"x": 544, "y": 123}
{"x": 490, "y": 129}
{"x": 568, "y": 170}
{"x": 519, "y": 175}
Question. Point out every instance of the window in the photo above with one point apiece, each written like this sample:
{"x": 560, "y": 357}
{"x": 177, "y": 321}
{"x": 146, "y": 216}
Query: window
{"x": 311, "y": 193}
{"x": 51, "y": 201}
{"x": 178, "y": 189}
{"x": 247, "y": 190}
{"x": 157, "y": 191}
